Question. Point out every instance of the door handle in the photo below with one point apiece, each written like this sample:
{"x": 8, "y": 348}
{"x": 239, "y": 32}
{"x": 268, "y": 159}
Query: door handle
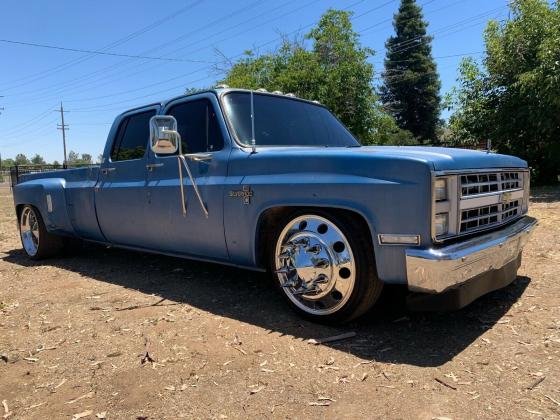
{"x": 105, "y": 171}
{"x": 199, "y": 157}
{"x": 152, "y": 166}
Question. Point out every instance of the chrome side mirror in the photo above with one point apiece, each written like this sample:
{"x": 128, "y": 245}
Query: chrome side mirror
{"x": 164, "y": 137}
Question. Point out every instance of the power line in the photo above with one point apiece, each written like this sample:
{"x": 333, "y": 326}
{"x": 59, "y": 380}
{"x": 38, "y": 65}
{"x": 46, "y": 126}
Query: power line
{"x": 98, "y": 52}
{"x": 194, "y": 51}
{"x": 97, "y": 108}
{"x": 45, "y": 73}
{"x": 201, "y": 69}
{"x": 78, "y": 81}
{"x": 168, "y": 80}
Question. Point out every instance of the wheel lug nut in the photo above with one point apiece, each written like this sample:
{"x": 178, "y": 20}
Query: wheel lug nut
{"x": 320, "y": 262}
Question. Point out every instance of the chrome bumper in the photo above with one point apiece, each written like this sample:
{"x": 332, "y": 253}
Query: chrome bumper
{"x": 435, "y": 270}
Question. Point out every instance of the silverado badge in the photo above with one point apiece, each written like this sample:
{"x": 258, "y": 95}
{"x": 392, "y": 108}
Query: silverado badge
{"x": 246, "y": 193}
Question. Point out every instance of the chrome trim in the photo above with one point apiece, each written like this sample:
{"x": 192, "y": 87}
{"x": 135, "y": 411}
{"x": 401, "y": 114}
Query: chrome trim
{"x": 29, "y": 231}
{"x": 315, "y": 265}
{"x": 456, "y": 203}
{"x": 437, "y": 269}
{"x": 476, "y": 171}
{"x": 151, "y": 166}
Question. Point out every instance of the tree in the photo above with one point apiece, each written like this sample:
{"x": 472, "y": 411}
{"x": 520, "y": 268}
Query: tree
{"x": 513, "y": 98}
{"x": 37, "y": 160}
{"x": 410, "y": 81}
{"x": 73, "y": 157}
{"x": 7, "y": 163}
{"x": 56, "y": 163}
{"x": 335, "y": 71}
{"x": 86, "y": 159}
{"x": 21, "y": 159}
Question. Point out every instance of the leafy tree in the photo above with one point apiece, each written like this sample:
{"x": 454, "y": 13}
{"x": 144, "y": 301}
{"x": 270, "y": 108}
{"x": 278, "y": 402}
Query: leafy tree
{"x": 513, "y": 99}
{"x": 86, "y": 159}
{"x": 410, "y": 81}
{"x": 7, "y": 163}
{"x": 73, "y": 157}
{"x": 21, "y": 159}
{"x": 335, "y": 71}
{"x": 37, "y": 160}
{"x": 56, "y": 163}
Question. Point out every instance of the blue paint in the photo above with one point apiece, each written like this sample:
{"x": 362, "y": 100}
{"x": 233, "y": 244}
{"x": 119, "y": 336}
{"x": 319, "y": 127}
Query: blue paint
{"x": 133, "y": 207}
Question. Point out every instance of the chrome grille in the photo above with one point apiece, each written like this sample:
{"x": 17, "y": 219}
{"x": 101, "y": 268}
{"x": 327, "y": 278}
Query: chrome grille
{"x": 474, "y": 184}
{"x": 481, "y": 200}
{"x": 483, "y": 217}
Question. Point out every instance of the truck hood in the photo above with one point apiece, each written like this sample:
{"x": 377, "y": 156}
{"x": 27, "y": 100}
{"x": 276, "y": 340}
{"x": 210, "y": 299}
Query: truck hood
{"x": 437, "y": 158}
{"x": 445, "y": 159}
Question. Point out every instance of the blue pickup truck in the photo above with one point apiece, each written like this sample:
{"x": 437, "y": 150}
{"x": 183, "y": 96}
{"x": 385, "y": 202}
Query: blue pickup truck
{"x": 272, "y": 182}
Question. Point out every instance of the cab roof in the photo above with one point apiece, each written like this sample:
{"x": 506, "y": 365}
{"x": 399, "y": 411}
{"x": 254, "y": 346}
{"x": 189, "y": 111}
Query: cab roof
{"x": 219, "y": 91}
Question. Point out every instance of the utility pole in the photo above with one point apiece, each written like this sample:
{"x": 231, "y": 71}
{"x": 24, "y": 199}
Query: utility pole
{"x": 62, "y": 127}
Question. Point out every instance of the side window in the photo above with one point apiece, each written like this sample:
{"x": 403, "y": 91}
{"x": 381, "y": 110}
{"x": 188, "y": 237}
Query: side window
{"x": 132, "y": 137}
{"x": 198, "y": 126}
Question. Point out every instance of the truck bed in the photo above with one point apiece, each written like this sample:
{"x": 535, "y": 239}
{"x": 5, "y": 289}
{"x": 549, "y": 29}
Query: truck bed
{"x": 25, "y": 173}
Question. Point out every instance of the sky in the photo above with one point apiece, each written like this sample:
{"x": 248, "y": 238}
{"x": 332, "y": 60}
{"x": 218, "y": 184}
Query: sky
{"x": 155, "y": 50}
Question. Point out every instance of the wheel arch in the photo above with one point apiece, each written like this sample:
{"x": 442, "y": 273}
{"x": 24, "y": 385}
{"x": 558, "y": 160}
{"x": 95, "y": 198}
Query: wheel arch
{"x": 37, "y": 193}
{"x": 263, "y": 227}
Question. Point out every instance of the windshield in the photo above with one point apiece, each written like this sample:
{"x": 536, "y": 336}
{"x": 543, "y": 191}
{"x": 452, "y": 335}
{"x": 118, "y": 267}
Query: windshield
{"x": 281, "y": 121}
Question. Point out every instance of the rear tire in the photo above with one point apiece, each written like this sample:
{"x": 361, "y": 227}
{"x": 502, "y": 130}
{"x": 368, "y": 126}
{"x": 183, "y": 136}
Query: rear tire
{"x": 323, "y": 264}
{"x": 37, "y": 242}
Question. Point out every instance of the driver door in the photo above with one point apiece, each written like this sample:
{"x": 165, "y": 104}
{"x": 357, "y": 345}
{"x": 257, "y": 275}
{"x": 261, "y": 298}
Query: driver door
{"x": 202, "y": 131}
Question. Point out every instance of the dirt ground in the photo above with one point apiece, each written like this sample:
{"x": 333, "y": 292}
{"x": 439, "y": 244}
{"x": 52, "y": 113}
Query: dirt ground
{"x": 115, "y": 334}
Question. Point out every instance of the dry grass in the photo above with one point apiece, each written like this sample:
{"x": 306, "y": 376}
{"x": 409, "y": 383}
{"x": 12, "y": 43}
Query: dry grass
{"x": 142, "y": 336}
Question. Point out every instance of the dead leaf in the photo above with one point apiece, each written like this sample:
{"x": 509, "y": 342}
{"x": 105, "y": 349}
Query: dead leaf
{"x": 255, "y": 390}
{"x": 536, "y": 383}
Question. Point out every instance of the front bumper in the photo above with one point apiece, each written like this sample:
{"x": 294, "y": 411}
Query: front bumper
{"x": 436, "y": 270}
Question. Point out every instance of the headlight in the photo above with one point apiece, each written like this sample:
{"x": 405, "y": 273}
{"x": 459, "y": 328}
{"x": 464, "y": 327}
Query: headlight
{"x": 440, "y": 188}
{"x": 442, "y": 224}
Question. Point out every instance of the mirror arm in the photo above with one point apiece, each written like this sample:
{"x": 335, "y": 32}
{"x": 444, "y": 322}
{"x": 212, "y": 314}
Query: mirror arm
{"x": 195, "y": 187}
{"x": 183, "y": 206}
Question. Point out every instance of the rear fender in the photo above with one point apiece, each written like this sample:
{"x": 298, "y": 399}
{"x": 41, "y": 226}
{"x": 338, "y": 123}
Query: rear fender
{"x": 48, "y": 196}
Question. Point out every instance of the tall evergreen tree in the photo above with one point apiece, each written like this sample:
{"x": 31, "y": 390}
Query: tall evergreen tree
{"x": 411, "y": 84}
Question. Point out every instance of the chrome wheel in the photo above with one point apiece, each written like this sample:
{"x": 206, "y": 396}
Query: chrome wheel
{"x": 29, "y": 231}
{"x": 315, "y": 264}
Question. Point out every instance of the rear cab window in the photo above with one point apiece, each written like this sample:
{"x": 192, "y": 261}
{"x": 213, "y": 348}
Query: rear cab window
{"x": 132, "y": 137}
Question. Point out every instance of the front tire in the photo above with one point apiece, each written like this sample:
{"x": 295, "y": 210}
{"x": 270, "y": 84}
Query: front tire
{"x": 324, "y": 265}
{"x": 37, "y": 242}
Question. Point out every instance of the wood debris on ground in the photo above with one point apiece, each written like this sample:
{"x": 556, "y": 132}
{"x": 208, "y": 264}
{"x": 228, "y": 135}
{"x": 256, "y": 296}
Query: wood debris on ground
{"x": 88, "y": 395}
{"x": 82, "y": 414}
{"x": 338, "y": 337}
{"x": 7, "y": 412}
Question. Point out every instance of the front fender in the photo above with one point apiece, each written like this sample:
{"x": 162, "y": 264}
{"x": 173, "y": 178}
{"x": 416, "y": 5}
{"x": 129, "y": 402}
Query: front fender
{"x": 371, "y": 198}
{"x": 35, "y": 192}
